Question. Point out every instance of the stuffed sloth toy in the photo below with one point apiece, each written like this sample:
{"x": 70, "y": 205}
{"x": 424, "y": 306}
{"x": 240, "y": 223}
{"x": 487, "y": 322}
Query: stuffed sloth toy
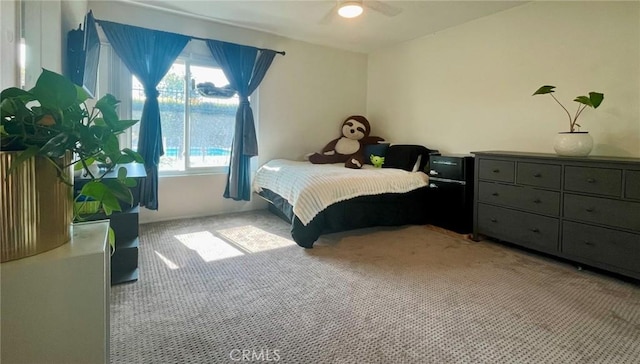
{"x": 349, "y": 148}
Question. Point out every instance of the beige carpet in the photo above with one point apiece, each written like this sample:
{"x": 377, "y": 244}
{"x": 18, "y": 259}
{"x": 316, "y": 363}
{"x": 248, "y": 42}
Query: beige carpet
{"x": 213, "y": 289}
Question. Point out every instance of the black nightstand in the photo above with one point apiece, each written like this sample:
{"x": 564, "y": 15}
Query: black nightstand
{"x": 451, "y": 179}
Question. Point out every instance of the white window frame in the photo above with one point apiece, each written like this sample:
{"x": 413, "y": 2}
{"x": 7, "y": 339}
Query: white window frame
{"x": 121, "y": 87}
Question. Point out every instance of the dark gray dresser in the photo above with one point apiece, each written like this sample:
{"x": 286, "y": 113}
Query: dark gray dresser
{"x": 583, "y": 209}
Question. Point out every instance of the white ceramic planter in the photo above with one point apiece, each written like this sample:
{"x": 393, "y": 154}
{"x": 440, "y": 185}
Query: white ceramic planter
{"x": 576, "y": 144}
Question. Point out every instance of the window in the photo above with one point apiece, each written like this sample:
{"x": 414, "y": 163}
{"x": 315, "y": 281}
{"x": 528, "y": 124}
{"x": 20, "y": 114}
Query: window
{"x": 197, "y": 131}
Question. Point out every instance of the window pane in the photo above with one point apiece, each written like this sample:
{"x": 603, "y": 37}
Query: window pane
{"x": 211, "y": 121}
{"x": 172, "y": 110}
{"x": 137, "y": 101}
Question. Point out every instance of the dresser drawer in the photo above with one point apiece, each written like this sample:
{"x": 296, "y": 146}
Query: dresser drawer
{"x": 496, "y": 170}
{"x": 632, "y": 185}
{"x": 622, "y": 214}
{"x": 529, "y": 230}
{"x": 600, "y": 245}
{"x": 539, "y": 175}
{"x": 544, "y": 202}
{"x": 600, "y": 181}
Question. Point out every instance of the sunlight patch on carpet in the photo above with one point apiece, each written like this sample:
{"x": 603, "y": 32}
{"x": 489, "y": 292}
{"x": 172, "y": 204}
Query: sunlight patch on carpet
{"x": 166, "y": 261}
{"x": 208, "y": 246}
{"x": 254, "y": 239}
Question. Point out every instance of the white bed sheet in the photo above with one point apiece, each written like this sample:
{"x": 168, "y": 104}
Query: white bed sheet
{"x": 310, "y": 188}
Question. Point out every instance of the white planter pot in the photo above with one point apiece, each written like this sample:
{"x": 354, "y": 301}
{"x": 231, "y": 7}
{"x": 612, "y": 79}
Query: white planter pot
{"x": 577, "y": 144}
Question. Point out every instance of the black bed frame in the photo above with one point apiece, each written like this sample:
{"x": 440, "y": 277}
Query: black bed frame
{"x": 391, "y": 209}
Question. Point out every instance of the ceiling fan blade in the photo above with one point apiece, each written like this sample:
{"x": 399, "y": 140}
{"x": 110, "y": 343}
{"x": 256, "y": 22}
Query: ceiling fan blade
{"x": 384, "y": 8}
{"x": 329, "y": 16}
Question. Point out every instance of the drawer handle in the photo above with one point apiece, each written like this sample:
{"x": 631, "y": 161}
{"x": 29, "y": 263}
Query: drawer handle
{"x": 495, "y": 194}
{"x": 537, "y": 200}
{"x": 535, "y": 230}
{"x": 591, "y": 180}
{"x": 493, "y": 219}
{"x": 496, "y": 170}
{"x": 433, "y": 185}
{"x": 433, "y": 173}
{"x": 588, "y": 243}
{"x": 537, "y": 175}
{"x": 590, "y": 209}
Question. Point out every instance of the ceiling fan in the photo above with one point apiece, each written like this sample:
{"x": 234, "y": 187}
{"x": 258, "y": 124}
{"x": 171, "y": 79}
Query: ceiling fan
{"x": 353, "y": 8}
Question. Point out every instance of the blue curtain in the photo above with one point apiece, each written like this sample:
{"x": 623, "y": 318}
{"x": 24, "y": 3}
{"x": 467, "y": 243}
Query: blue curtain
{"x": 148, "y": 54}
{"x": 245, "y": 68}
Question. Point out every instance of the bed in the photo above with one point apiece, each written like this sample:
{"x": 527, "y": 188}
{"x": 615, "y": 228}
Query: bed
{"x": 325, "y": 198}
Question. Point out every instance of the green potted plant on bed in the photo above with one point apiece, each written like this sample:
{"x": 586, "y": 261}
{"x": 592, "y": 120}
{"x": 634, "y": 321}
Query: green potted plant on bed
{"x": 574, "y": 142}
{"x": 44, "y": 132}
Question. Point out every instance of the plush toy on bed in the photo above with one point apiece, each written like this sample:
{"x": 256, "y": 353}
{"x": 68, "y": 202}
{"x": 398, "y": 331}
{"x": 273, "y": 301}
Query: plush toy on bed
{"x": 377, "y": 161}
{"x": 349, "y": 148}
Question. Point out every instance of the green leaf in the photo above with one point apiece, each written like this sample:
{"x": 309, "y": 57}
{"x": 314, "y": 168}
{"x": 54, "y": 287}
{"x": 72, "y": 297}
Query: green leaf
{"x": 124, "y": 159}
{"x": 99, "y": 122}
{"x": 122, "y": 125}
{"x": 119, "y": 190}
{"x": 54, "y": 90}
{"x": 22, "y": 157}
{"x": 8, "y": 108}
{"x": 122, "y": 173}
{"x": 112, "y": 240}
{"x": 81, "y": 95}
{"x": 544, "y": 90}
{"x": 88, "y": 161}
{"x": 12, "y": 92}
{"x": 99, "y": 191}
{"x": 130, "y": 182}
{"x": 583, "y": 100}
{"x": 596, "y": 99}
{"x": 107, "y": 106}
{"x": 15, "y": 109}
{"x": 56, "y": 147}
{"x": 111, "y": 145}
{"x": 136, "y": 156}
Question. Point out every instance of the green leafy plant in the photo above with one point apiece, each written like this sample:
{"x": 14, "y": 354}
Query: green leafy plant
{"x": 593, "y": 100}
{"x": 53, "y": 119}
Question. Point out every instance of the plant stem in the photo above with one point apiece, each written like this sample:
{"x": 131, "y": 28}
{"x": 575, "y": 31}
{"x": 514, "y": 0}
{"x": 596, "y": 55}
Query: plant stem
{"x": 580, "y": 110}
{"x": 84, "y": 164}
{"x": 91, "y": 116}
{"x": 574, "y": 120}
{"x": 565, "y": 110}
{"x": 60, "y": 172}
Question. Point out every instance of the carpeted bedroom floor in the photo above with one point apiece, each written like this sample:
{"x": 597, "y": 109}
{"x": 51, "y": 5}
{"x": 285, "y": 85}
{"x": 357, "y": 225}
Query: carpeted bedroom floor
{"x": 235, "y": 288}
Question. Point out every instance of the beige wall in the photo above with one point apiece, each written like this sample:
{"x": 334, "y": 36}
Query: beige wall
{"x": 9, "y": 40}
{"x": 302, "y": 102}
{"x": 469, "y": 88}
{"x": 46, "y": 26}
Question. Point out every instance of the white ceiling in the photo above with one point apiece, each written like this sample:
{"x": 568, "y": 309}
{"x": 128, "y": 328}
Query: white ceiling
{"x": 308, "y": 20}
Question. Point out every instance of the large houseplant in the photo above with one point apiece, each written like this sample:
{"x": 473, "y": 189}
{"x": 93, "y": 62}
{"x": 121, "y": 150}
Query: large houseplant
{"x": 574, "y": 142}
{"x": 52, "y": 123}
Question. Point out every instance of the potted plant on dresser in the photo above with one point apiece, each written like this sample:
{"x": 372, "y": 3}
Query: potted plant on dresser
{"x": 45, "y": 132}
{"x": 574, "y": 143}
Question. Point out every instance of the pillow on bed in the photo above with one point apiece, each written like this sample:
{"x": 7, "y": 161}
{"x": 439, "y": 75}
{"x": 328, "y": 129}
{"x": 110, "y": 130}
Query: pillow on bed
{"x": 408, "y": 157}
{"x": 379, "y": 149}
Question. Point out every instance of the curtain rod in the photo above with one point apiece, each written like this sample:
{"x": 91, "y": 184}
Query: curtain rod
{"x": 260, "y": 49}
{"x": 190, "y": 36}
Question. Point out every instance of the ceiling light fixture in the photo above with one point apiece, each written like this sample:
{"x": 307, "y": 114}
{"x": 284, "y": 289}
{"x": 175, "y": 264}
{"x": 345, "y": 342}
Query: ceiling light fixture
{"x": 350, "y": 9}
